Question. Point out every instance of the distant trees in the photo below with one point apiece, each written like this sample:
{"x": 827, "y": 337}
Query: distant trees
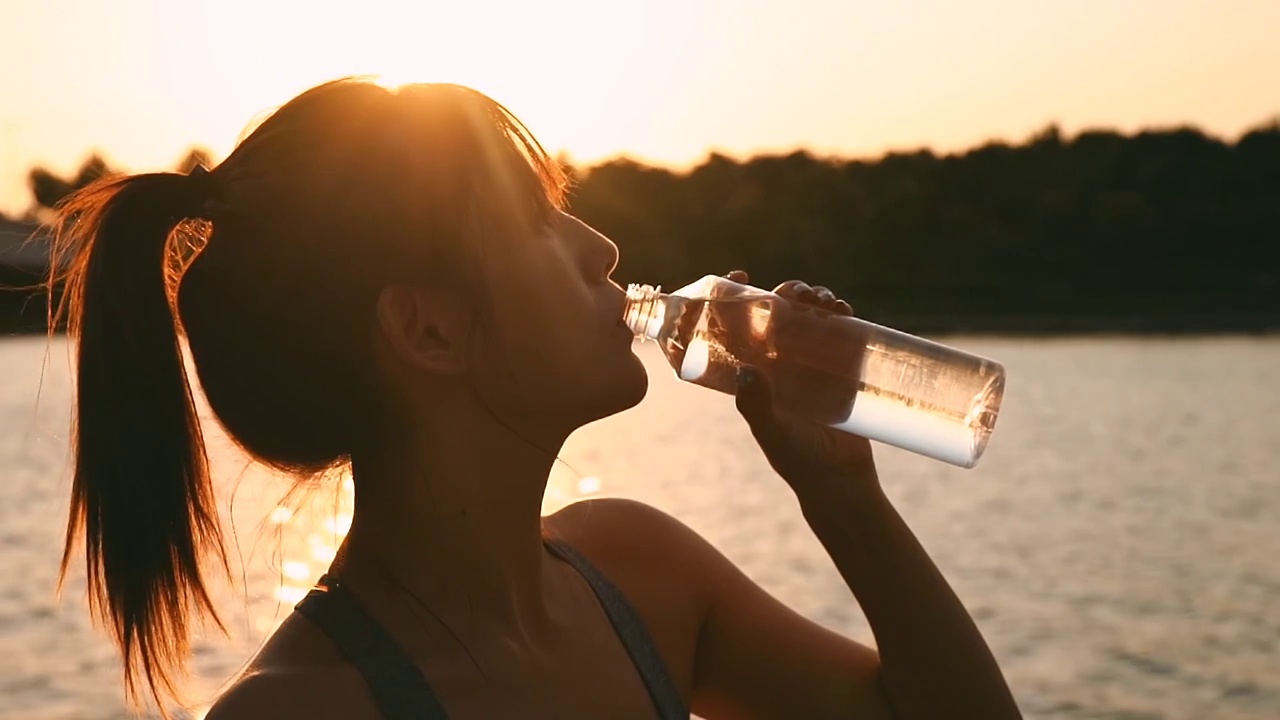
{"x": 48, "y": 189}
{"x": 1165, "y": 230}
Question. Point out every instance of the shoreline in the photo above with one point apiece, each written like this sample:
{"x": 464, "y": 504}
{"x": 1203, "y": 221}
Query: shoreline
{"x": 32, "y": 324}
{"x": 23, "y": 313}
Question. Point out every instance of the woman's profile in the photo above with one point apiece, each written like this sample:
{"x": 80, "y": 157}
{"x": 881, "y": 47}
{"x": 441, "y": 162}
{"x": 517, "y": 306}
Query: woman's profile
{"x": 387, "y": 279}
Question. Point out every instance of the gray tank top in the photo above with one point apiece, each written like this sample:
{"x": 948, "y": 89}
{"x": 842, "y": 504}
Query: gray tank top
{"x": 400, "y": 690}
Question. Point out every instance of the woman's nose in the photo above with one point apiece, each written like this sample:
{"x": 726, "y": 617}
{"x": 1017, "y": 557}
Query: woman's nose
{"x": 611, "y": 257}
{"x": 599, "y": 254}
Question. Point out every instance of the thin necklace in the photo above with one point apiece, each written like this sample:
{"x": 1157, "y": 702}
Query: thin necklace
{"x": 424, "y": 607}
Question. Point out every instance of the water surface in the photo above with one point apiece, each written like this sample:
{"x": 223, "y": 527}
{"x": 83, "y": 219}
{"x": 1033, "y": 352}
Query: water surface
{"x": 1117, "y": 544}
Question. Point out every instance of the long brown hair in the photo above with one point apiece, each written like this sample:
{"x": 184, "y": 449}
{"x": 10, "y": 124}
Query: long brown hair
{"x": 269, "y": 267}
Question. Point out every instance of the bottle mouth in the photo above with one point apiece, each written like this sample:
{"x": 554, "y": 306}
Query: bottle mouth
{"x": 644, "y": 311}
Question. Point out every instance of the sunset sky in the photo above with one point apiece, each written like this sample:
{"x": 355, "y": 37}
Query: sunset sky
{"x": 660, "y": 80}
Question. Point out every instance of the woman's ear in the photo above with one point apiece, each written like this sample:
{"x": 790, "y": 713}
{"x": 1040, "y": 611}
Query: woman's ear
{"x": 424, "y": 328}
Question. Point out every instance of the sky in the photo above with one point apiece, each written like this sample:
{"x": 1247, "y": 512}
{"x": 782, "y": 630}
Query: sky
{"x": 662, "y": 81}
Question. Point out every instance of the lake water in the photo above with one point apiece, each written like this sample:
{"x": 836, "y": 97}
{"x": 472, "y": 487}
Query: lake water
{"x": 1119, "y": 544}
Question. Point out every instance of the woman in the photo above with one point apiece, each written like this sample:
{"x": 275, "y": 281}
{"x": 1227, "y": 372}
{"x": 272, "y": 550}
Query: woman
{"x": 386, "y": 279}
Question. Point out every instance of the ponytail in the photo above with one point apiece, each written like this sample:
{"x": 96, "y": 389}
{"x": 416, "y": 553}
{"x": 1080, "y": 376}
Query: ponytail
{"x": 141, "y": 498}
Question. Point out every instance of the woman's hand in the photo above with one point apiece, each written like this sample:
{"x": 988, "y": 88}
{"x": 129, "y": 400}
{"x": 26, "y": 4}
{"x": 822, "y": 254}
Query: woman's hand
{"x": 805, "y": 453}
{"x": 933, "y": 662}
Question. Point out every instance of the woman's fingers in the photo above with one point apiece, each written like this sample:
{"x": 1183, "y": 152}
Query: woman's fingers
{"x": 801, "y": 292}
{"x": 794, "y": 290}
{"x": 818, "y": 296}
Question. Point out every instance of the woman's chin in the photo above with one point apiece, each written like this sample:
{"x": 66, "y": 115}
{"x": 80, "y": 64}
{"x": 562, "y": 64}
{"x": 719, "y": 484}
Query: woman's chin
{"x": 625, "y": 391}
{"x": 638, "y": 388}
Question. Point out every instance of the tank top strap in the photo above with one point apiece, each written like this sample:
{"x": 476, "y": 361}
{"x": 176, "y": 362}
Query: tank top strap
{"x": 397, "y": 685}
{"x": 631, "y": 630}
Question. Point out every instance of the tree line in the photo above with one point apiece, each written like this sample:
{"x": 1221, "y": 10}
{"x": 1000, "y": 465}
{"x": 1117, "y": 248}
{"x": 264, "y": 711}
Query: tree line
{"x": 1163, "y": 230}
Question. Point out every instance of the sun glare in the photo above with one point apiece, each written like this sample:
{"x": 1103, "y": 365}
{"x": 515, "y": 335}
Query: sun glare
{"x": 569, "y": 69}
{"x": 392, "y": 81}
{"x": 549, "y": 64}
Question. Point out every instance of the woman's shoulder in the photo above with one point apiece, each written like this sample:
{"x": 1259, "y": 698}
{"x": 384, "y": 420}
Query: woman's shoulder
{"x": 296, "y": 674}
{"x": 665, "y": 570}
{"x": 646, "y": 552}
{"x": 608, "y": 524}
{"x": 285, "y": 693}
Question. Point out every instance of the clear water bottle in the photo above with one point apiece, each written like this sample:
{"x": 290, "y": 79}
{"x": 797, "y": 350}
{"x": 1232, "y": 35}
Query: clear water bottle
{"x": 853, "y": 375}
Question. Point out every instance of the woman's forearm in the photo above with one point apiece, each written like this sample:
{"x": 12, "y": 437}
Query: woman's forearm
{"x": 934, "y": 661}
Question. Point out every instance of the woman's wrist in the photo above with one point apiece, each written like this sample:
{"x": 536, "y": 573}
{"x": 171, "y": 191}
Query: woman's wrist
{"x": 827, "y": 499}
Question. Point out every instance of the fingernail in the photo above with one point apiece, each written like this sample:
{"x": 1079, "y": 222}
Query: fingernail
{"x": 746, "y": 376}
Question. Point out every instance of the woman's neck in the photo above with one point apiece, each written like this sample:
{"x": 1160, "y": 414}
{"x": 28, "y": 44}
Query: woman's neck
{"x": 454, "y": 516}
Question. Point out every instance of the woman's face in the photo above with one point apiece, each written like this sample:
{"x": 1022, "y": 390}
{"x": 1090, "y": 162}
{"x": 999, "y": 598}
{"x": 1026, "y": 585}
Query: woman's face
{"x": 553, "y": 354}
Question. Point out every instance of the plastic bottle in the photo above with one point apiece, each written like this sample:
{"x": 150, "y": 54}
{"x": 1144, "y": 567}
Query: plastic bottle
{"x": 853, "y": 375}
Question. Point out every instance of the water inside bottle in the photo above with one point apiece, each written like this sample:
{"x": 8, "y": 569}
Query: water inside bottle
{"x": 856, "y": 376}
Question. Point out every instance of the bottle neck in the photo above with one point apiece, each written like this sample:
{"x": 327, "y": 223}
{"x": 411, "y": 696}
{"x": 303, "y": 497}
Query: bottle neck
{"x": 644, "y": 311}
